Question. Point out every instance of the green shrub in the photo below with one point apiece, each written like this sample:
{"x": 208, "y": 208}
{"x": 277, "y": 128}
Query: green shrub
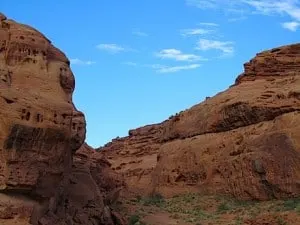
{"x": 291, "y": 204}
{"x": 224, "y": 207}
{"x": 154, "y": 199}
{"x": 135, "y": 219}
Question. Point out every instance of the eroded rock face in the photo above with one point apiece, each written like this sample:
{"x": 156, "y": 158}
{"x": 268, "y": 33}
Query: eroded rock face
{"x": 135, "y": 156}
{"x": 244, "y": 141}
{"x": 91, "y": 189}
{"x": 36, "y": 115}
{"x": 40, "y": 130}
{"x": 278, "y": 62}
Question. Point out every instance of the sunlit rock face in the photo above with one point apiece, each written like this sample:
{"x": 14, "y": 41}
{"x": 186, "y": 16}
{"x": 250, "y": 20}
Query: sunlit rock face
{"x": 48, "y": 175}
{"x": 244, "y": 141}
{"x": 39, "y": 125}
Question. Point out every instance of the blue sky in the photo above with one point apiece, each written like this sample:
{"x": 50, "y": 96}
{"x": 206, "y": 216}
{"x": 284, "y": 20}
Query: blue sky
{"x": 137, "y": 62}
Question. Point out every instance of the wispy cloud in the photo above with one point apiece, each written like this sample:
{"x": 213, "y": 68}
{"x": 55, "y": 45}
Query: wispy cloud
{"x": 292, "y": 26}
{"x": 77, "y": 61}
{"x": 226, "y": 47}
{"x": 244, "y": 8}
{"x": 235, "y": 19}
{"x": 203, "y": 4}
{"x": 236, "y": 12}
{"x": 140, "y": 33}
{"x": 202, "y": 29}
{"x": 290, "y": 8}
{"x": 172, "y": 69}
{"x": 208, "y": 24}
{"x": 130, "y": 63}
{"x": 195, "y": 31}
{"x": 113, "y": 48}
{"x": 159, "y": 68}
{"x": 177, "y": 55}
{"x": 267, "y": 7}
{"x": 214, "y": 4}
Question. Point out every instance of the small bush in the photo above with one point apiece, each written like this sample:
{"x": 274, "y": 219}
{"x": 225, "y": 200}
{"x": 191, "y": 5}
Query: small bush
{"x": 135, "y": 219}
{"x": 224, "y": 207}
{"x": 138, "y": 198}
{"x": 292, "y": 204}
{"x": 154, "y": 199}
{"x": 281, "y": 221}
{"x": 238, "y": 221}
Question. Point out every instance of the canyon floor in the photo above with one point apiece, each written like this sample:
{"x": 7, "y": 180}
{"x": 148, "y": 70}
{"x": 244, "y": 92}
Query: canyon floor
{"x": 198, "y": 209}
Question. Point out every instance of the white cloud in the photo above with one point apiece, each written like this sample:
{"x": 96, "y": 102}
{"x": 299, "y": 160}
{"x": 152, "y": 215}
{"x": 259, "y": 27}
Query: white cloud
{"x": 214, "y": 4}
{"x": 172, "y": 69}
{"x": 292, "y": 26}
{"x": 225, "y": 46}
{"x": 196, "y": 31}
{"x": 235, "y": 19}
{"x": 77, "y": 61}
{"x": 267, "y": 7}
{"x": 231, "y": 8}
{"x": 289, "y": 8}
{"x": 113, "y": 48}
{"x": 209, "y": 24}
{"x": 158, "y": 68}
{"x": 139, "y": 33}
{"x": 177, "y": 55}
{"x": 273, "y": 7}
{"x": 202, "y": 4}
{"x": 130, "y": 63}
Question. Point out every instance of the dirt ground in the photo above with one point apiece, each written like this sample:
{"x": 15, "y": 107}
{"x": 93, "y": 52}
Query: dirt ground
{"x": 196, "y": 209}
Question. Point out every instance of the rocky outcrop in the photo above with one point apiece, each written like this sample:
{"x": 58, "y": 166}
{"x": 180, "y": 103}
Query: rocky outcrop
{"x": 91, "y": 189}
{"x": 278, "y": 62}
{"x": 40, "y": 130}
{"x": 244, "y": 141}
{"x": 135, "y": 156}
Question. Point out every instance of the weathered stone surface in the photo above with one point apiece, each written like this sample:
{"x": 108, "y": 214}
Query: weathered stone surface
{"x": 91, "y": 189}
{"x": 278, "y": 62}
{"x": 135, "y": 156}
{"x": 260, "y": 161}
{"x": 35, "y": 131}
{"x": 41, "y": 180}
{"x": 244, "y": 141}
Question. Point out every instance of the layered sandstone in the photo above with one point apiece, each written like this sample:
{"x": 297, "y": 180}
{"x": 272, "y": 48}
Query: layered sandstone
{"x": 40, "y": 130}
{"x": 135, "y": 156}
{"x": 244, "y": 141}
{"x": 91, "y": 189}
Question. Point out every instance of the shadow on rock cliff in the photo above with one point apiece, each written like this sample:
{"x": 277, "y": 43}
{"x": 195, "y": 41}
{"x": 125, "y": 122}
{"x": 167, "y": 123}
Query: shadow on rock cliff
{"x": 44, "y": 178}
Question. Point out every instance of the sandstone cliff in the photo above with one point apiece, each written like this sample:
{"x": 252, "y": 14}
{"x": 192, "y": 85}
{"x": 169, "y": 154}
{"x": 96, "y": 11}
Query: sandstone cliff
{"x": 244, "y": 141}
{"x": 40, "y": 130}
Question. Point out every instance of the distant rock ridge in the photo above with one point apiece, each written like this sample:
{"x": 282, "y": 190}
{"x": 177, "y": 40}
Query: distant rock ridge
{"x": 47, "y": 175}
{"x": 282, "y": 61}
{"x": 244, "y": 141}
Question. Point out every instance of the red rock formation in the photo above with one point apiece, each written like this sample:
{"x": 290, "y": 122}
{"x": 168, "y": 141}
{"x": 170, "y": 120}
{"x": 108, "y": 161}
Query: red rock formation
{"x": 243, "y": 141}
{"x": 91, "y": 188}
{"x": 283, "y": 61}
{"x": 135, "y": 156}
{"x": 40, "y": 128}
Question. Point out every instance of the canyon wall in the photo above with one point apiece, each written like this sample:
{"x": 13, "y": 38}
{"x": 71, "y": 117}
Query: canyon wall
{"x": 245, "y": 141}
{"x": 44, "y": 178}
